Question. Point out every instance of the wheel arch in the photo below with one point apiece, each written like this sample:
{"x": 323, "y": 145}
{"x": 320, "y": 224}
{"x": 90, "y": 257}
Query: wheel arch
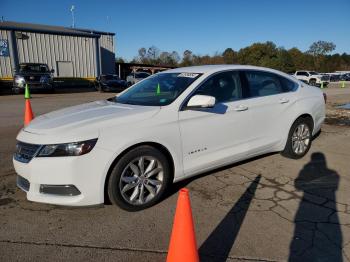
{"x": 305, "y": 116}
{"x": 156, "y": 145}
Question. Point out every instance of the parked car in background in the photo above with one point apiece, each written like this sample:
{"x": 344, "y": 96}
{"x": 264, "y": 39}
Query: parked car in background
{"x": 334, "y": 77}
{"x": 312, "y": 78}
{"x": 345, "y": 77}
{"x": 135, "y": 77}
{"x": 166, "y": 128}
{"x": 35, "y": 75}
{"x": 110, "y": 82}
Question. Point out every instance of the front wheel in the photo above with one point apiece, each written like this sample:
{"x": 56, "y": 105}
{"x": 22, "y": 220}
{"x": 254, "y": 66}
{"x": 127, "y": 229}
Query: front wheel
{"x": 139, "y": 179}
{"x": 299, "y": 139}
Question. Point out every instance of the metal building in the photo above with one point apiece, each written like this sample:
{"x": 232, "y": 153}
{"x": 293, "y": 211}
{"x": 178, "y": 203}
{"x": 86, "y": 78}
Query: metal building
{"x": 71, "y": 52}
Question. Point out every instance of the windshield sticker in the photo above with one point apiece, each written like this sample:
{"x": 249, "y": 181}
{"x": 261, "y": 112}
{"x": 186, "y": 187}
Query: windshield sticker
{"x": 190, "y": 75}
{"x": 163, "y": 100}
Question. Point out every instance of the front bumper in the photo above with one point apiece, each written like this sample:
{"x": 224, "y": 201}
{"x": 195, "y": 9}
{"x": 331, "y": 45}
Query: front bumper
{"x": 52, "y": 180}
{"x": 46, "y": 86}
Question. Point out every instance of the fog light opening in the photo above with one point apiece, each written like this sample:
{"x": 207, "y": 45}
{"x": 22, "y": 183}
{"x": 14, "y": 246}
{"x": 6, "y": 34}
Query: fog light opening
{"x": 61, "y": 190}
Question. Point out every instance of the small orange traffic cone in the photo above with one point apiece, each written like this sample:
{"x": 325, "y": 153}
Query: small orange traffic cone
{"x": 183, "y": 246}
{"x": 28, "y": 113}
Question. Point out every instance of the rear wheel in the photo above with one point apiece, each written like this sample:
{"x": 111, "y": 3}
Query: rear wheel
{"x": 299, "y": 139}
{"x": 139, "y": 179}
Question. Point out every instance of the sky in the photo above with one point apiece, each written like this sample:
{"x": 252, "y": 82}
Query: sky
{"x": 204, "y": 27}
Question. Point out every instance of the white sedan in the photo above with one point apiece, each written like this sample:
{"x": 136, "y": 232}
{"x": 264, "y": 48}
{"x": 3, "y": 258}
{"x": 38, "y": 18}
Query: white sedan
{"x": 166, "y": 128}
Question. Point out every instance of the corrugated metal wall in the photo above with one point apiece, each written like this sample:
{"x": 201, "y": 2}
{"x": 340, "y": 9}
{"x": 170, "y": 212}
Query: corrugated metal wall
{"x": 107, "y": 54}
{"x": 48, "y": 48}
{"x": 5, "y": 61}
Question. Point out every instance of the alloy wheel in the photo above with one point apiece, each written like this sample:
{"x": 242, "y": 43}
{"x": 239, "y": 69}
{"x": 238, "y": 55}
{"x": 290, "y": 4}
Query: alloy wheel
{"x": 141, "y": 180}
{"x": 301, "y": 139}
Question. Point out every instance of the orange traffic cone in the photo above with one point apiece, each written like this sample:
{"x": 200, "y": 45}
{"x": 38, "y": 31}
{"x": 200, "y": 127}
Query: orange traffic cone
{"x": 183, "y": 246}
{"x": 28, "y": 113}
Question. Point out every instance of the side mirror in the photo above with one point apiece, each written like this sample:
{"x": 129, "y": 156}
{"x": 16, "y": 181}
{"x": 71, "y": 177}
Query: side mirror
{"x": 201, "y": 101}
{"x": 52, "y": 71}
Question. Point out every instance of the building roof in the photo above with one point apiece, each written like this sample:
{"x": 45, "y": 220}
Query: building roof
{"x": 49, "y": 29}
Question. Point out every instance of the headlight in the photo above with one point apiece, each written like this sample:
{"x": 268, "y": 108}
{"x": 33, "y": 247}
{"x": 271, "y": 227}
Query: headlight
{"x": 19, "y": 80}
{"x": 69, "y": 149}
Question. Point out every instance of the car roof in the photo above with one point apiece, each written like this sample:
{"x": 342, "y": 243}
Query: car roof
{"x": 216, "y": 68}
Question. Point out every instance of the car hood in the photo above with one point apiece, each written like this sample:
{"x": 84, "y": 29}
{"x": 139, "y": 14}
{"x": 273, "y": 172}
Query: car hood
{"x": 84, "y": 121}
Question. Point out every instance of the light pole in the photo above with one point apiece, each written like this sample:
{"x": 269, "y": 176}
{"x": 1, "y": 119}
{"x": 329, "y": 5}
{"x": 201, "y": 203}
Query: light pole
{"x": 72, "y": 11}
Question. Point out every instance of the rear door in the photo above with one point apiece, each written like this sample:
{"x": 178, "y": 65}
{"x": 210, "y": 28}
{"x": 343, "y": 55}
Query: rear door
{"x": 271, "y": 100}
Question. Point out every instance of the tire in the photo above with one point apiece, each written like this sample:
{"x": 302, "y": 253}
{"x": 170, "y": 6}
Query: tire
{"x": 137, "y": 195}
{"x": 100, "y": 89}
{"x": 312, "y": 82}
{"x": 295, "y": 137}
{"x": 16, "y": 91}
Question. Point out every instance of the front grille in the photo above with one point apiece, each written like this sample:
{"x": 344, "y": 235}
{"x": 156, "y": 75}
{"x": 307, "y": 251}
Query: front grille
{"x": 25, "y": 152}
{"x": 32, "y": 78}
{"x": 23, "y": 183}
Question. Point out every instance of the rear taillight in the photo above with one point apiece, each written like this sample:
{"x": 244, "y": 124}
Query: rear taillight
{"x": 325, "y": 98}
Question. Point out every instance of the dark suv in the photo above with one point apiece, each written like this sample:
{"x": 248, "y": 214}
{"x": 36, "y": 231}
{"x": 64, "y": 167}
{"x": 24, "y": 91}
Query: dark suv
{"x": 36, "y": 75}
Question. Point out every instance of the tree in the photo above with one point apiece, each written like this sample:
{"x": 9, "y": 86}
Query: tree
{"x": 317, "y": 58}
{"x": 321, "y": 48}
{"x": 229, "y": 56}
{"x": 187, "y": 58}
{"x": 119, "y": 60}
{"x": 142, "y": 52}
{"x": 259, "y": 54}
{"x": 141, "y": 58}
{"x": 318, "y": 50}
{"x": 153, "y": 53}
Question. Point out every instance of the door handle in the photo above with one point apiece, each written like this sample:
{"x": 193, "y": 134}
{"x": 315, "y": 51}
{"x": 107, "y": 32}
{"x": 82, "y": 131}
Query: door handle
{"x": 241, "y": 108}
{"x": 284, "y": 100}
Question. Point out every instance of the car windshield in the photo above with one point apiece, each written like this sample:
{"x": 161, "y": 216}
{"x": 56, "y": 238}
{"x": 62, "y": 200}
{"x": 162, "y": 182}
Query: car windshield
{"x": 33, "y": 68}
{"x": 313, "y": 73}
{"x": 157, "y": 90}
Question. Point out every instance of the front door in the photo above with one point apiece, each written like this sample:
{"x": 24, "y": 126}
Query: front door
{"x": 216, "y": 136}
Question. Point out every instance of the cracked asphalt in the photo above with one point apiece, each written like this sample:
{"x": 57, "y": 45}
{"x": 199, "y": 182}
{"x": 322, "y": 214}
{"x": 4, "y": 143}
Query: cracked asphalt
{"x": 265, "y": 209}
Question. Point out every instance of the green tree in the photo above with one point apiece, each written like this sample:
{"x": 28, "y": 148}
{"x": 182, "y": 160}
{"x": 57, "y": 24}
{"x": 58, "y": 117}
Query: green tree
{"x": 229, "y": 56}
{"x": 187, "y": 59}
{"x": 318, "y": 50}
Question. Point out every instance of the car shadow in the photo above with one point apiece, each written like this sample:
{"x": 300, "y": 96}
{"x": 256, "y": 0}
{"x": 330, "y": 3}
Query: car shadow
{"x": 220, "y": 242}
{"x": 317, "y": 234}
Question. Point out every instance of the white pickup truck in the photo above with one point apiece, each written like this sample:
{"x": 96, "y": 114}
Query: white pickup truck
{"x": 312, "y": 78}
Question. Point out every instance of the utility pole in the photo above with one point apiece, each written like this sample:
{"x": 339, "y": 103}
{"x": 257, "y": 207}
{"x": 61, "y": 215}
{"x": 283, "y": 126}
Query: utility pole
{"x": 72, "y": 11}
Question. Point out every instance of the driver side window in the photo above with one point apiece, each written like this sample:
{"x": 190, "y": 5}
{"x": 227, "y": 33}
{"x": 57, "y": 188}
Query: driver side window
{"x": 225, "y": 87}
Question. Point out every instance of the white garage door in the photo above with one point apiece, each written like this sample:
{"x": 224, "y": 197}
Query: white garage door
{"x": 64, "y": 68}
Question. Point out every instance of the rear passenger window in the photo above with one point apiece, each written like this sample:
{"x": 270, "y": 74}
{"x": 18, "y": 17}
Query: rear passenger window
{"x": 288, "y": 85}
{"x": 263, "y": 83}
